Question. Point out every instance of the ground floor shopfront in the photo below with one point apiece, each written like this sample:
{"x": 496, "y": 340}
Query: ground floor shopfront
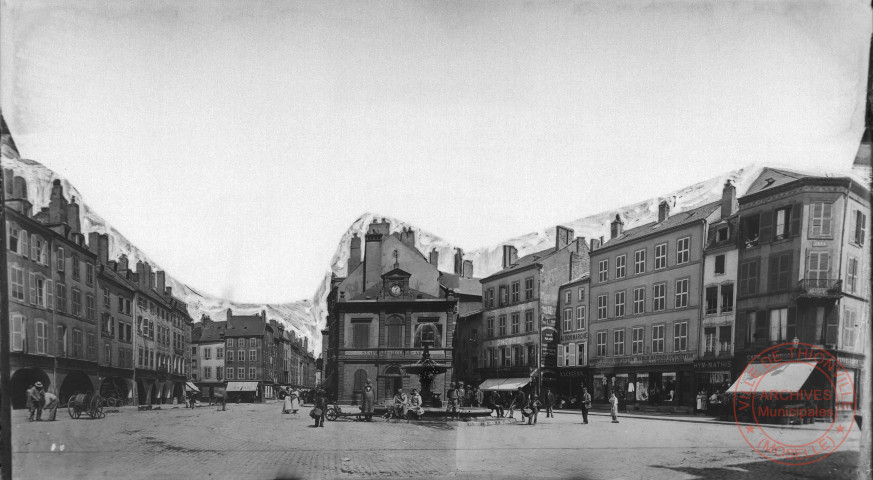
{"x": 666, "y": 380}
{"x": 384, "y": 370}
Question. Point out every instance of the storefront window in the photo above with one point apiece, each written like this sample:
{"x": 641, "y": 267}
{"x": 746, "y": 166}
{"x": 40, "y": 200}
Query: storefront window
{"x": 670, "y": 386}
{"x": 642, "y": 387}
{"x": 598, "y": 389}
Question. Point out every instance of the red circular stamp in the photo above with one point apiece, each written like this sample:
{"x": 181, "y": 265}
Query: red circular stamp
{"x": 794, "y": 384}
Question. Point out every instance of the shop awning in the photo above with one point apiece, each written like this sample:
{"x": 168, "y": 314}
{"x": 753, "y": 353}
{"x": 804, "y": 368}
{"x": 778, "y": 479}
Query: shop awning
{"x": 788, "y": 377}
{"x": 504, "y": 383}
{"x": 242, "y": 386}
{"x": 191, "y": 387}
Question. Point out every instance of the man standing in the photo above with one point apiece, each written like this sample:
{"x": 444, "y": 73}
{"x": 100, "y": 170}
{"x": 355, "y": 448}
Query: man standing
{"x": 550, "y": 403}
{"x": 320, "y": 404}
{"x": 519, "y": 402}
{"x": 480, "y": 397}
{"x": 613, "y": 402}
{"x": 586, "y": 404}
{"x": 454, "y": 397}
{"x": 368, "y": 400}
{"x": 51, "y": 405}
{"x": 35, "y": 400}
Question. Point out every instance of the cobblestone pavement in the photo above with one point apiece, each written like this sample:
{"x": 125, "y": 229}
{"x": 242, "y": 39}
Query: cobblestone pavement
{"x": 256, "y": 441}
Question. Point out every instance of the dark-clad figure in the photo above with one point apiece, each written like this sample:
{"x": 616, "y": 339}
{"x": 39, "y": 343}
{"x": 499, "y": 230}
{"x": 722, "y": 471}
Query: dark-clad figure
{"x": 586, "y": 404}
{"x": 454, "y": 397}
{"x": 35, "y": 399}
{"x": 321, "y": 404}
{"x": 550, "y": 403}
{"x": 368, "y": 401}
{"x": 518, "y": 402}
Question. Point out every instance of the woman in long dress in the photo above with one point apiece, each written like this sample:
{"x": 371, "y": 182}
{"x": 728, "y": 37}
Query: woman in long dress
{"x": 291, "y": 403}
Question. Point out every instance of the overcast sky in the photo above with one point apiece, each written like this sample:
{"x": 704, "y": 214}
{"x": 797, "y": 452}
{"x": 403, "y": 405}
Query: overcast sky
{"x": 234, "y": 143}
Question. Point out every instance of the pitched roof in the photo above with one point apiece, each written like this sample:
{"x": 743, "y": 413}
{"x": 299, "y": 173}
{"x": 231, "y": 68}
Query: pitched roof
{"x": 462, "y": 285}
{"x": 245, "y": 326}
{"x": 525, "y": 261}
{"x": 774, "y": 177}
{"x": 673, "y": 221}
{"x": 211, "y": 331}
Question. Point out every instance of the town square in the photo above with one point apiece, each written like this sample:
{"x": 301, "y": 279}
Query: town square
{"x": 587, "y": 239}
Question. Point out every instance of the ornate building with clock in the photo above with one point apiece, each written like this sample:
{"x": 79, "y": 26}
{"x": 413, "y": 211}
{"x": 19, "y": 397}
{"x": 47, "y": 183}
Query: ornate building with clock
{"x": 391, "y": 300}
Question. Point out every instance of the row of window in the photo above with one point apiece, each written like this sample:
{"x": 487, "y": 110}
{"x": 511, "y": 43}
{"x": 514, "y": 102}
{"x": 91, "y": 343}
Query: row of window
{"x": 110, "y": 325}
{"x": 123, "y": 305}
{"x": 241, "y": 342}
{"x": 220, "y": 372}
{"x": 683, "y": 249}
{"x": 124, "y": 358}
{"x": 83, "y": 345}
{"x": 568, "y": 295}
{"x": 638, "y": 301}
{"x": 567, "y": 319}
{"x": 148, "y": 358}
{"x": 17, "y": 242}
{"x": 572, "y": 355}
{"x": 511, "y": 356}
{"x": 515, "y": 325}
{"x": 638, "y": 335}
{"x": 426, "y": 330}
{"x": 43, "y": 295}
{"x": 509, "y": 294}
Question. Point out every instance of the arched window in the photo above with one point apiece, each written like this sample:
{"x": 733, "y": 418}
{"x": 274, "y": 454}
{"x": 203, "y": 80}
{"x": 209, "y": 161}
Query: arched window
{"x": 360, "y": 380}
{"x": 394, "y": 325}
{"x": 429, "y": 331}
{"x": 393, "y": 370}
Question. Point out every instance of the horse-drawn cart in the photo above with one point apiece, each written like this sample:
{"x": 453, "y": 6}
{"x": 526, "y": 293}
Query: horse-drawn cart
{"x": 85, "y": 402}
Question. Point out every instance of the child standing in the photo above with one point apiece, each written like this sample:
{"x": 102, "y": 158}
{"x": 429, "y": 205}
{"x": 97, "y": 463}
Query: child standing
{"x": 613, "y": 401}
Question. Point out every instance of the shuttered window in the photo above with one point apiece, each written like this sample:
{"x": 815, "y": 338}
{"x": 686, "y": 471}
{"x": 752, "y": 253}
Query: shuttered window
{"x": 820, "y": 219}
{"x": 818, "y": 266}
{"x": 361, "y": 335}
{"x": 779, "y": 272}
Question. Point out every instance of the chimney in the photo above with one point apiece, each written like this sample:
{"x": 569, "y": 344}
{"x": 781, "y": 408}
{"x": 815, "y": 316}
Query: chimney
{"x": 382, "y": 226}
{"x": 459, "y": 261}
{"x": 510, "y": 255}
{"x": 151, "y": 279}
{"x": 580, "y": 244}
{"x": 354, "y": 254}
{"x": 728, "y": 200}
{"x": 161, "y": 280}
{"x": 57, "y": 204}
{"x": 434, "y": 258}
{"x": 595, "y": 244}
{"x": 229, "y": 314}
{"x": 264, "y": 315}
{"x": 123, "y": 263}
{"x": 103, "y": 249}
{"x": 563, "y": 237}
{"x": 94, "y": 243}
{"x": 8, "y": 188}
{"x": 663, "y": 211}
{"x": 468, "y": 269}
{"x": 407, "y": 237}
{"x": 140, "y": 274}
{"x": 616, "y": 228}
{"x": 372, "y": 257}
{"x": 169, "y": 291}
{"x": 73, "y": 216}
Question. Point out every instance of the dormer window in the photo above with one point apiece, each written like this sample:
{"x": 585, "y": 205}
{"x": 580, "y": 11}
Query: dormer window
{"x": 721, "y": 234}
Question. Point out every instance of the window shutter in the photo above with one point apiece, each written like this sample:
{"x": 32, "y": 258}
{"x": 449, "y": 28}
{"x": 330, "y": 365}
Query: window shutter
{"x": 49, "y": 295}
{"x": 572, "y": 354}
{"x": 34, "y": 250}
{"x": 22, "y": 244}
{"x": 765, "y": 229}
{"x": 762, "y": 326}
{"x": 796, "y": 217}
{"x": 710, "y": 236}
{"x": 32, "y": 289}
{"x": 773, "y": 273}
{"x": 561, "y": 356}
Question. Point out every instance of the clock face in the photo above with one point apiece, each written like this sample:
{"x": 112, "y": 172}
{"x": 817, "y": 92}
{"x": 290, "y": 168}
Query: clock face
{"x": 395, "y": 290}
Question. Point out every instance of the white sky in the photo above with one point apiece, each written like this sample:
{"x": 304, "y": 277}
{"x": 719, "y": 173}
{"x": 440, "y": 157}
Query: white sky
{"x": 235, "y": 143}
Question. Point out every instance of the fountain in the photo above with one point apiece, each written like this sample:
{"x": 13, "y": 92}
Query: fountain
{"x": 427, "y": 369}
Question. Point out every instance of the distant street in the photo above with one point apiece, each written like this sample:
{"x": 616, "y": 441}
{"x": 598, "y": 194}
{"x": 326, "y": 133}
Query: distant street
{"x": 256, "y": 441}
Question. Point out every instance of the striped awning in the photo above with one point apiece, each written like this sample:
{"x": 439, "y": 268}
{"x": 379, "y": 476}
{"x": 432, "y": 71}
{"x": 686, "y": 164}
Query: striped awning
{"x": 191, "y": 387}
{"x": 504, "y": 383}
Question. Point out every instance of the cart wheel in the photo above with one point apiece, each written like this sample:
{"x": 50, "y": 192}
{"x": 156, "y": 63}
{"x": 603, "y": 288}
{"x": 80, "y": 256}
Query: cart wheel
{"x": 71, "y": 409}
{"x": 331, "y": 414}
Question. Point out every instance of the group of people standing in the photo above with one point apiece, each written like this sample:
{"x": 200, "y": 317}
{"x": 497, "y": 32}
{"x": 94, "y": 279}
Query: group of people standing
{"x": 39, "y": 400}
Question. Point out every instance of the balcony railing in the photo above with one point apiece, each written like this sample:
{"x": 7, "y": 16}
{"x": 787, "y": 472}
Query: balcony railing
{"x": 821, "y": 287}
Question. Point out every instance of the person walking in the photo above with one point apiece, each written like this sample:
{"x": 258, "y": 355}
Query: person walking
{"x": 586, "y": 404}
{"x": 550, "y": 403}
{"x": 51, "y": 406}
{"x": 534, "y": 407}
{"x": 613, "y": 401}
{"x": 518, "y": 402}
{"x": 35, "y": 399}
{"x": 368, "y": 399}
{"x": 320, "y": 408}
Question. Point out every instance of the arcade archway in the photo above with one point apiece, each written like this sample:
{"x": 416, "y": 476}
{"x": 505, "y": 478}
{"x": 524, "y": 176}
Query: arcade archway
{"x": 114, "y": 387}
{"x": 74, "y": 383}
{"x": 22, "y": 379}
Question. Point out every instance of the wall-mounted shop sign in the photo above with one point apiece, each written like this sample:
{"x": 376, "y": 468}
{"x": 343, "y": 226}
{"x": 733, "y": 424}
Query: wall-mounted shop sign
{"x": 654, "y": 359}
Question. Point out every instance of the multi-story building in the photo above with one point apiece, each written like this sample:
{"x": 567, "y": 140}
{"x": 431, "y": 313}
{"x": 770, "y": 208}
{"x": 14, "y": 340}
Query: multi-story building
{"x": 251, "y": 369}
{"x": 803, "y": 254}
{"x": 573, "y": 331}
{"x": 713, "y": 368}
{"x": 645, "y": 308}
{"x": 208, "y": 354}
{"x": 52, "y": 293}
{"x": 115, "y": 305}
{"x": 382, "y": 313}
{"x": 520, "y": 310}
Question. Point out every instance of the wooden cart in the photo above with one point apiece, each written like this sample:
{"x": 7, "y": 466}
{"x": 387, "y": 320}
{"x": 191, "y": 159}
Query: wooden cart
{"x": 85, "y": 402}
